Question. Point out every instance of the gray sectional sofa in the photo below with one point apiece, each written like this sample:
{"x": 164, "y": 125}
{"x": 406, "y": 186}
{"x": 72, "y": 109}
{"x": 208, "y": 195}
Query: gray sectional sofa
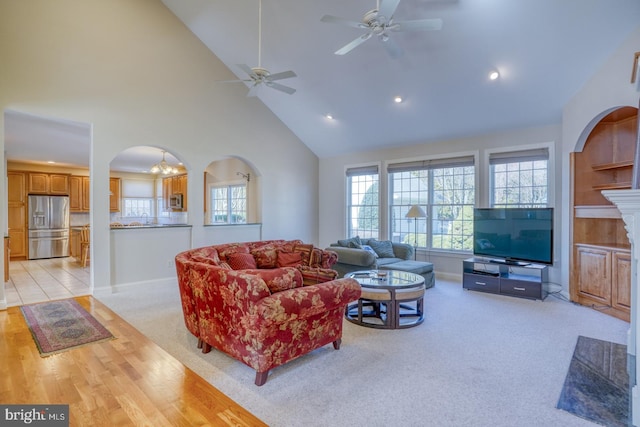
{"x": 386, "y": 255}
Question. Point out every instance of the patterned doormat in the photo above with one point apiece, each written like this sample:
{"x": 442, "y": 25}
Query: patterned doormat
{"x": 597, "y": 385}
{"x": 62, "y": 325}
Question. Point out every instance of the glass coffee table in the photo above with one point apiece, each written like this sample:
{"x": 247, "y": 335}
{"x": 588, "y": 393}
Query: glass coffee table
{"x": 391, "y": 299}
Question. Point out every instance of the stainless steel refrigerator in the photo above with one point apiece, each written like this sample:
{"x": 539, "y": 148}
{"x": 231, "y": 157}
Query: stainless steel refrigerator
{"x": 48, "y": 226}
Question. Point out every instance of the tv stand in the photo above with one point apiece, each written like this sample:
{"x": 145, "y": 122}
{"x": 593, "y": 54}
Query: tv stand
{"x": 522, "y": 280}
{"x": 508, "y": 262}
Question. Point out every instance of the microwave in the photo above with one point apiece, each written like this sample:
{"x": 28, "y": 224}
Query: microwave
{"x": 175, "y": 201}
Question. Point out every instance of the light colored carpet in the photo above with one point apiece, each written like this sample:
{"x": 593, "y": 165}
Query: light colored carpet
{"x": 477, "y": 360}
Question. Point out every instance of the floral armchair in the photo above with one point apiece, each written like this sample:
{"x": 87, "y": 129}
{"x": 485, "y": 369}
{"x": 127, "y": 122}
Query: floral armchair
{"x": 262, "y": 317}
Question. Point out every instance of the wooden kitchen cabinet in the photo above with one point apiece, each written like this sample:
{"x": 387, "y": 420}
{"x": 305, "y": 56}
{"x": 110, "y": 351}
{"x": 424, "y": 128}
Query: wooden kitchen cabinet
{"x": 7, "y": 251}
{"x": 114, "y": 194}
{"x": 48, "y": 183}
{"x": 79, "y": 191}
{"x": 174, "y": 185}
{"x": 17, "y": 214}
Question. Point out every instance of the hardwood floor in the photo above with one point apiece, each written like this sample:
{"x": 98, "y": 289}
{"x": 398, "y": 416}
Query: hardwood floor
{"x": 46, "y": 280}
{"x": 125, "y": 381}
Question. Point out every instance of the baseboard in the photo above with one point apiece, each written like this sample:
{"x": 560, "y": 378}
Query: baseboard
{"x": 453, "y": 277}
{"x": 121, "y": 286}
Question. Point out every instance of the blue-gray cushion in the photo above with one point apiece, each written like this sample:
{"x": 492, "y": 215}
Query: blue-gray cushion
{"x": 353, "y": 242}
{"x": 383, "y": 248}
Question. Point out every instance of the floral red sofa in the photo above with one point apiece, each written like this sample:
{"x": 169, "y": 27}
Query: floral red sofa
{"x": 264, "y": 303}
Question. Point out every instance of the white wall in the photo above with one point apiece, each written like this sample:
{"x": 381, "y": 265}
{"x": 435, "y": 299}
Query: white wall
{"x": 333, "y": 189}
{"x": 134, "y": 71}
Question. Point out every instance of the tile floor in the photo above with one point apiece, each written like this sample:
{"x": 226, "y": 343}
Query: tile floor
{"x": 46, "y": 280}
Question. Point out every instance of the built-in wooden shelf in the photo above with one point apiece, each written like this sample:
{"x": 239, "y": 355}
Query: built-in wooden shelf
{"x": 598, "y": 211}
{"x": 613, "y": 186}
{"x": 611, "y": 166}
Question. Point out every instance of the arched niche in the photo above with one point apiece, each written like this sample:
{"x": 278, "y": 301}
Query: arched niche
{"x": 142, "y": 193}
{"x": 223, "y": 176}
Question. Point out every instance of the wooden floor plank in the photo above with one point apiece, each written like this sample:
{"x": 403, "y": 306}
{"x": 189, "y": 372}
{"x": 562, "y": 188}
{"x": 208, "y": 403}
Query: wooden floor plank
{"x": 125, "y": 381}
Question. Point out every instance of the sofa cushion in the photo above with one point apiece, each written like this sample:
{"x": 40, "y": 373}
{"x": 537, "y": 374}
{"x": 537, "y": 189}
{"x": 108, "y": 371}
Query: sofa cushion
{"x": 230, "y": 248}
{"x": 279, "y": 279}
{"x": 266, "y": 256}
{"x": 288, "y": 259}
{"x": 388, "y": 261}
{"x": 383, "y": 248}
{"x": 241, "y": 261}
{"x": 353, "y": 242}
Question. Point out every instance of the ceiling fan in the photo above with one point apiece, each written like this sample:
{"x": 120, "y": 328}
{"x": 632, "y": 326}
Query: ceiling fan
{"x": 259, "y": 76}
{"x": 379, "y": 22}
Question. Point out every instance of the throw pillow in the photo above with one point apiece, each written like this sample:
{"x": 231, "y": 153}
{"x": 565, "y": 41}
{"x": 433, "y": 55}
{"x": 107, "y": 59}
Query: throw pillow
{"x": 369, "y": 249}
{"x": 241, "y": 261}
{"x": 289, "y": 259}
{"x": 265, "y": 256}
{"x": 383, "y": 248}
{"x": 225, "y": 266}
{"x": 226, "y": 249}
{"x": 279, "y": 279}
{"x": 349, "y": 243}
{"x": 305, "y": 251}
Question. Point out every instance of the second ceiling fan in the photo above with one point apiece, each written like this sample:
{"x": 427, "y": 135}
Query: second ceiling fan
{"x": 379, "y": 22}
{"x": 258, "y": 76}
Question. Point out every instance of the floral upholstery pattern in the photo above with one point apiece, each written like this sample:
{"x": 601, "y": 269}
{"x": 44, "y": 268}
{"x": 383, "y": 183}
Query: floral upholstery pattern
{"x": 262, "y": 317}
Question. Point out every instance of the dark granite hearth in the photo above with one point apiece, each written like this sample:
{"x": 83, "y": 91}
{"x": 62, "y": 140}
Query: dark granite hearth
{"x": 597, "y": 385}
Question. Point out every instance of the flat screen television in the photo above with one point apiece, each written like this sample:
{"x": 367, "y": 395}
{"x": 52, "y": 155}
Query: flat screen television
{"x": 514, "y": 235}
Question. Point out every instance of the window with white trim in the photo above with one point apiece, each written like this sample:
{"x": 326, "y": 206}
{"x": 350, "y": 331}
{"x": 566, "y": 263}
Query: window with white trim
{"x": 138, "y": 199}
{"x": 519, "y": 179}
{"x": 228, "y": 204}
{"x": 445, "y": 190}
{"x": 137, "y": 207}
{"x": 363, "y": 208}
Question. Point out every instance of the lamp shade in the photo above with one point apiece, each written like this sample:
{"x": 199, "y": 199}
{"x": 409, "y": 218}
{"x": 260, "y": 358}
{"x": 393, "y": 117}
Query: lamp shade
{"x": 416, "y": 212}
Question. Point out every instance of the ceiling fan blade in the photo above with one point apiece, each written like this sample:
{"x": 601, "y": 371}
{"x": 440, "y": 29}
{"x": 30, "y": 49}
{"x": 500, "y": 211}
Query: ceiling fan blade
{"x": 246, "y": 69}
{"x": 417, "y": 25}
{"x": 282, "y": 75}
{"x": 336, "y": 20}
{"x": 357, "y": 42}
{"x": 282, "y": 88}
{"x": 392, "y": 48}
{"x": 388, "y": 8}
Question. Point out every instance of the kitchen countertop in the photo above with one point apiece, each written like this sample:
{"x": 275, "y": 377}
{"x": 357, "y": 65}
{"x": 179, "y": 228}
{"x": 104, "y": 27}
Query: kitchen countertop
{"x": 129, "y": 227}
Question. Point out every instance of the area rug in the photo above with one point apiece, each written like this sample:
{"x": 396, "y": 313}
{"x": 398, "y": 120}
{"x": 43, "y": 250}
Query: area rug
{"x": 597, "y": 385}
{"x": 62, "y": 325}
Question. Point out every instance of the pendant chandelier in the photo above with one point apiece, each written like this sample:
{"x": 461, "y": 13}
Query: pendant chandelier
{"x": 163, "y": 167}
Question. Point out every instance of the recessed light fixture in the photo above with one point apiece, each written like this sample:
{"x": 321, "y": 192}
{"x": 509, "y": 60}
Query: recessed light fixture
{"x": 397, "y": 99}
{"x": 494, "y": 75}
{"x": 329, "y": 116}
{"x": 51, "y": 162}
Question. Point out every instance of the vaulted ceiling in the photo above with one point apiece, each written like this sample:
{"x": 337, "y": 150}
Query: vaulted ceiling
{"x": 544, "y": 50}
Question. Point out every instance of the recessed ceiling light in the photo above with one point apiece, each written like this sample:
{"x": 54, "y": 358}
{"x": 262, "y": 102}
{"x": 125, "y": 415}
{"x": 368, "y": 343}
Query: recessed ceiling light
{"x": 51, "y": 162}
{"x": 494, "y": 75}
{"x": 329, "y": 116}
{"x": 397, "y": 99}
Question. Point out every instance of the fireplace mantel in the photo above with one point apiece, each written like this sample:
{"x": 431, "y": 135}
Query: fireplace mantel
{"x": 628, "y": 203}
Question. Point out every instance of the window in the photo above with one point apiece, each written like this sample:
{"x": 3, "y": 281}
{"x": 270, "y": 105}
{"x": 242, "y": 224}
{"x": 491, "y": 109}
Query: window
{"x": 137, "y": 207}
{"x": 519, "y": 179}
{"x": 229, "y": 204}
{"x": 362, "y": 202}
{"x": 445, "y": 190}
